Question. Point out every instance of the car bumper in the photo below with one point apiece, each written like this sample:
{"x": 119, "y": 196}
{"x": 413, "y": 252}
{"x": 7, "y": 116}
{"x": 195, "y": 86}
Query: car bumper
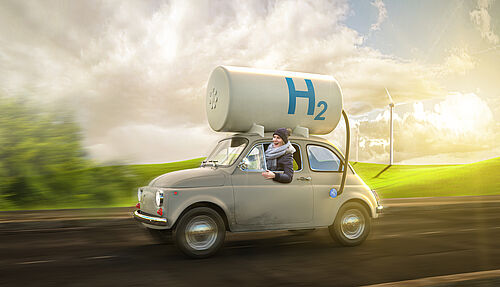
{"x": 149, "y": 219}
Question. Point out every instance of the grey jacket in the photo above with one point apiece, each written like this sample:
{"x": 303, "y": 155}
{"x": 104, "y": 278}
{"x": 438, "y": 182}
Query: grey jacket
{"x": 285, "y": 163}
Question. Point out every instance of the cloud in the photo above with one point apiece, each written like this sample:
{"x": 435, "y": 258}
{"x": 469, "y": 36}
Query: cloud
{"x": 482, "y": 19}
{"x": 459, "y": 61}
{"x": 365, "y": 78}
{"x": 382, "y": 14}
{"x": 153, "y": 144}
{"x": 135, "y": 72}
{"x": 460, "y": 126}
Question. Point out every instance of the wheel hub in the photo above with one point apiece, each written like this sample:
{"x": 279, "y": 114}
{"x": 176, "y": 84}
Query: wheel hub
{"x": 201, "y": 232}
{"x": 353, "y": 224}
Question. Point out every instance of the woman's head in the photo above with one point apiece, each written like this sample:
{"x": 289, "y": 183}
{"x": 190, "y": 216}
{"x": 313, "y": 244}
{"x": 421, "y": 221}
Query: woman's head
{"x": 280, "y": 136}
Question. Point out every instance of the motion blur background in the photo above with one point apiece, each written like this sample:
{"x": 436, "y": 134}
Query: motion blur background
{"x": 87, "y": 85}
{"x": 99, "y": 97}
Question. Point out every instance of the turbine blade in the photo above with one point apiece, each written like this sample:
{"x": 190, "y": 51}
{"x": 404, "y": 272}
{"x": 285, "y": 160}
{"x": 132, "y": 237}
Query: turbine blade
{"x": 389, "y": 95}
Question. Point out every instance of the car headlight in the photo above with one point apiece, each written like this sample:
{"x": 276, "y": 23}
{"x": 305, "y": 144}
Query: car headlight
{"x": 159, "y": 198}
{"x": 139, "y": 194}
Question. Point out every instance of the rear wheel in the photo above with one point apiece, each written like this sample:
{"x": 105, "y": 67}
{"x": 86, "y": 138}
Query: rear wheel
{"x": 200, "y": 232}
{"x": 352, "y": 225}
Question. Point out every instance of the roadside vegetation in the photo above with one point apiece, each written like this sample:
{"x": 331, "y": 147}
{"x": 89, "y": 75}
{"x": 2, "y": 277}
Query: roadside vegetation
{"x": 140, "y": 175}
{"x": 396, "y": 181}
{"x": 44, "y": 166}
{"x": 480, "y": 178}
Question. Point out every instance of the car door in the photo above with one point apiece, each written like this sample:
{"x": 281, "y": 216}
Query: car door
{"x": 326, "y": 168}
{"x": 262, "y": 203}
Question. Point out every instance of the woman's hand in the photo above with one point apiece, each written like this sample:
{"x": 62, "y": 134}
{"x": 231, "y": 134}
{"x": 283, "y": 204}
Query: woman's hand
{"x": 268, "y": 174}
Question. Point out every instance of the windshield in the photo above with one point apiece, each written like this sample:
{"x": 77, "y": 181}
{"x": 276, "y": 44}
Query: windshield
{"x": 226, "y": 152}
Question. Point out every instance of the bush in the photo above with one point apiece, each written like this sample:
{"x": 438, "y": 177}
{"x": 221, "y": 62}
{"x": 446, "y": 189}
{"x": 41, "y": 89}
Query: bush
{"x": 43, "y": 164}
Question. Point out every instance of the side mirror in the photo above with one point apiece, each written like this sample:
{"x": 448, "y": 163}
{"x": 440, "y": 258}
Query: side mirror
{"x": 243, "y": 164}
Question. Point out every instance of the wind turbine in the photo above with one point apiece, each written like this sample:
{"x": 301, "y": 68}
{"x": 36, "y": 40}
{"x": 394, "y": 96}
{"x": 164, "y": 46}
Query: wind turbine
{"x": 391, "y": 142}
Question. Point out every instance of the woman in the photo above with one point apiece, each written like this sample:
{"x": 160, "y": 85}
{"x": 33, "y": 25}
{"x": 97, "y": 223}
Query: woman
{"x": 279, "y": 156}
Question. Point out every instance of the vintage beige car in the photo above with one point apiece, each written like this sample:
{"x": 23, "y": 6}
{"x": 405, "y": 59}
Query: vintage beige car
{"x": 227, "y": 193}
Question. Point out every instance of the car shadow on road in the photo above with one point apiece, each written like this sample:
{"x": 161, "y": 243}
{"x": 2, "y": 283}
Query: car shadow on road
{"x": 260, "y": 244}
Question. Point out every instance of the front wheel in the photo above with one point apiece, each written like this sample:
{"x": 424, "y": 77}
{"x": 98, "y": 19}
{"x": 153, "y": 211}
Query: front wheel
{"x": 352, "y": 225}
{"x": 200, "y": 232}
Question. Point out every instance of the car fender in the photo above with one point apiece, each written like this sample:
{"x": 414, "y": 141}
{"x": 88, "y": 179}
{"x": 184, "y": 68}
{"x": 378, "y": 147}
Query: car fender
{"x": 221, "y": 197}
{"x": 360, "y": 196}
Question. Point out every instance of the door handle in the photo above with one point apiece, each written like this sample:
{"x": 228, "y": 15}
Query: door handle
{"x": 304, "y": 178}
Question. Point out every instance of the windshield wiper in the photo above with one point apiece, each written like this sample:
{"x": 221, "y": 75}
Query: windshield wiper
{"x": 212, "y": 162}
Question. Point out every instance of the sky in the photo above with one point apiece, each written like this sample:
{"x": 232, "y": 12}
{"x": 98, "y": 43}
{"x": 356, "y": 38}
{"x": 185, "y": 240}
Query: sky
{"x": 134, "y": 73}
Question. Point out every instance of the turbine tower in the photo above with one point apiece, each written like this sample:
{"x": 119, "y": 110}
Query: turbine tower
{"x": 391, "y": 139}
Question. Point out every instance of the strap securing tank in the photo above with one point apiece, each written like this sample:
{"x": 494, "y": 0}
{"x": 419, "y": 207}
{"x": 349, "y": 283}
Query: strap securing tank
{"x": 256, "y": 129}
{"x": 301, "y": 131}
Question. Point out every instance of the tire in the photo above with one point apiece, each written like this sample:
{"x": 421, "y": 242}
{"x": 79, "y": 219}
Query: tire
{"x": 161, "y": 236}
{"x": 352, "y": 224}
{"x": 200, "y": 232}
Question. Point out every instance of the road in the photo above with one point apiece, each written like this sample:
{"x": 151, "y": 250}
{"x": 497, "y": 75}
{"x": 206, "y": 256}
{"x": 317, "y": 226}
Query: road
{"x": 414, "y": 239}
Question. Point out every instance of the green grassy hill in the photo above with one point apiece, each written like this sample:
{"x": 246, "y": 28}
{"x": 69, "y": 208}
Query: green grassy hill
{"x": 397, "y": 181}
{"x": 480, "y": 178}
{"x": 147, "y": 172}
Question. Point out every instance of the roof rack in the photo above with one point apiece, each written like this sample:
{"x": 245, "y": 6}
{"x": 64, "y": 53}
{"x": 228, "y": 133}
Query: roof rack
{"x": 298, "y": 130}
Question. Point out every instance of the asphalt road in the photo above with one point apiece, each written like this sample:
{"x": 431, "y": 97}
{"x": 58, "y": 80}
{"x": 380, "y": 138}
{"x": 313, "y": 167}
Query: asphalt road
{"x": 414, "y": 239}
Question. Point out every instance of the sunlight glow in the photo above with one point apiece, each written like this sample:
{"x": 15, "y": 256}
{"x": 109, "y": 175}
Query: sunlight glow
{"x": 458, "y": 113}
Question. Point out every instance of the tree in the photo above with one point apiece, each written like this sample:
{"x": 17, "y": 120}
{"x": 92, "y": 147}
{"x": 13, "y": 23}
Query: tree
{"x": 42, "y": 161}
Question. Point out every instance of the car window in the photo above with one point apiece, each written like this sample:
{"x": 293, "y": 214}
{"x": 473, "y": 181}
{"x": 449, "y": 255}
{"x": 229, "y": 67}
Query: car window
{"x": 227, "y": 151}
{"x": 297, "y": 156}
{"x": 254, "y": 161}
{"x": 322, "y": 159}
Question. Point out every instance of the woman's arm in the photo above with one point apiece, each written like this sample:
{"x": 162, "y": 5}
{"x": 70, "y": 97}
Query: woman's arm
{"x": 287, "y": 162}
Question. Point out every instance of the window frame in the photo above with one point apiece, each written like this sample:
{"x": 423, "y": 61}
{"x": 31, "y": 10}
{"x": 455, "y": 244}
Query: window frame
{"x": 248, "y": 153}
{"x": 236, "y": 160}
{"x": 265, "y": 162}
{"x": 341, "y": 159}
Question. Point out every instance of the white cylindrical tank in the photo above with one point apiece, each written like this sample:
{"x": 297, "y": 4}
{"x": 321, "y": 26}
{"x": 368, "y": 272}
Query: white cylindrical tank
{"x": 238, "y": 98}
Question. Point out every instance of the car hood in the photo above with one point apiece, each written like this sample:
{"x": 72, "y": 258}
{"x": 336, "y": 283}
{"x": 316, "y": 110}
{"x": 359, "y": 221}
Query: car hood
{"x": 197, "y": 177}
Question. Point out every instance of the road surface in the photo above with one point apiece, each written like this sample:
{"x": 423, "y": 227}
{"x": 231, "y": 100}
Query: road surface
{"x": 415, "y": 239}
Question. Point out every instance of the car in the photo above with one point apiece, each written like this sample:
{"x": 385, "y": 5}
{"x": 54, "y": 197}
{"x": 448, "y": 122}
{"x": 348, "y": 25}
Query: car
{"x": 227, "y": 193}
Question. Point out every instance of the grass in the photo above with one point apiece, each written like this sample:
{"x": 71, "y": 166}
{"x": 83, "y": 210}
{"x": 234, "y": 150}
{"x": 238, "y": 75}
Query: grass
{"x": 118, "y": 186}
{"x": 396, "y": 181}
{"x": 480, "y": 178}
{"x": 147, "y": 172}
{"x": 144, "y": 173}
